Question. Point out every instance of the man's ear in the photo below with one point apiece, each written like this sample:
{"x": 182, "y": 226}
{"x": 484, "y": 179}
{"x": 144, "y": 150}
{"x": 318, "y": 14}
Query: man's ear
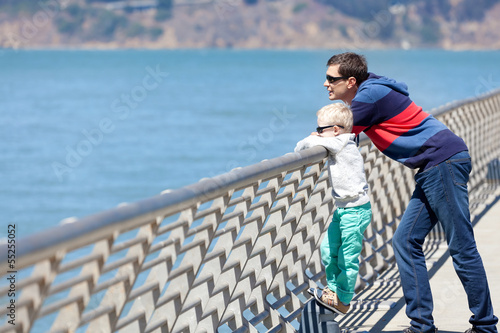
{"x": 351, "y": 82}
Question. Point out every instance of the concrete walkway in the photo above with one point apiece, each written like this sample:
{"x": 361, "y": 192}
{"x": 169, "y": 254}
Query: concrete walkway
{"x": 451, "y": 313}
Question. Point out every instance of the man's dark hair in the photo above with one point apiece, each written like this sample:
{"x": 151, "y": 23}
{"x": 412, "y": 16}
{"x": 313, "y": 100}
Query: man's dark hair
{"x": 351, "y": 64}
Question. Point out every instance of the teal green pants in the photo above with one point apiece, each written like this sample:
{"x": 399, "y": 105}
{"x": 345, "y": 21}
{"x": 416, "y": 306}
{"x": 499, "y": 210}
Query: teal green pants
{"x": 341, "y": 247}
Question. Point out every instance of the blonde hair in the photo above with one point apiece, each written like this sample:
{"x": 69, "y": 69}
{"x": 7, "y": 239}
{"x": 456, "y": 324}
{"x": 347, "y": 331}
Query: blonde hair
{"x": 336, "y": 114}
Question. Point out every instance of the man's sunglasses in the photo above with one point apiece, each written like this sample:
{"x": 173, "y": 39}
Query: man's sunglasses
{"x": 321, "y": 129}
{"x": 332, "y": 79}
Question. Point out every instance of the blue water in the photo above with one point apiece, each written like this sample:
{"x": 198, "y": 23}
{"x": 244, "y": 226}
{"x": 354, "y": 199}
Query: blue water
{"x": 82, "y": 131}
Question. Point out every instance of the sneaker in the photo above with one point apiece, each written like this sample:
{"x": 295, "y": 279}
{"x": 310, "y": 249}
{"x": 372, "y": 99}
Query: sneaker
{"x": 331, "y": 301}
{"x": 471, "y": 330}
{"x": 409, "y": 330}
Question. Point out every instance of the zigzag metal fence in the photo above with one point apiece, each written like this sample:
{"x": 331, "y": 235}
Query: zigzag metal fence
{"x": 235, "y": 252}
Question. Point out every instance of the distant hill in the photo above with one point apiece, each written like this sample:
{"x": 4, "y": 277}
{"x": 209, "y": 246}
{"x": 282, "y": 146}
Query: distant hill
{"x": 449, "y": 24}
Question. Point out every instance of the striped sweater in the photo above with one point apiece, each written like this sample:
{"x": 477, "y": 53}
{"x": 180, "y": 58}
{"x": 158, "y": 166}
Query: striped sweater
{"x": 398, "y": 127}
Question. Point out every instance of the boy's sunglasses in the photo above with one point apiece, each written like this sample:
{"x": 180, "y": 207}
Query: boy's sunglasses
{"x": 332, "y": 79}
{"x": 321, "y": 129}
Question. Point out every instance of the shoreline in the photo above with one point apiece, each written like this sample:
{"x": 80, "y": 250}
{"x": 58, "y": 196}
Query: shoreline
{"x": 284, "y": 49}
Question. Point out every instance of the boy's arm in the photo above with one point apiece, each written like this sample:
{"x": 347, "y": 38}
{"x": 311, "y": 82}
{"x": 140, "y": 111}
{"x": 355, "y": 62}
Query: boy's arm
{"x": 332, "y": 144}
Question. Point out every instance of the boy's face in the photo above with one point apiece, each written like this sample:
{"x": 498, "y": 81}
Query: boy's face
{"x": 334, "y": 130}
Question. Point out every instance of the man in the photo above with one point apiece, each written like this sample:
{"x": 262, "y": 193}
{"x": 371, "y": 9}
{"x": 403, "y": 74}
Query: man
{"x": 402, "y": 131}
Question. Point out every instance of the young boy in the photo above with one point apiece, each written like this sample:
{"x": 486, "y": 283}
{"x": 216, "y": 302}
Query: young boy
{"x": 341, "y": 246}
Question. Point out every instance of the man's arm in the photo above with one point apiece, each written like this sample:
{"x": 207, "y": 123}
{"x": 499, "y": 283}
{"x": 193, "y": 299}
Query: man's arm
{"x": 378, "y": 103}
{"x": 364, "y": 116}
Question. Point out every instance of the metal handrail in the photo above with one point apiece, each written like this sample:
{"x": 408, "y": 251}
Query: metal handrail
{"x": 36, "y": 247}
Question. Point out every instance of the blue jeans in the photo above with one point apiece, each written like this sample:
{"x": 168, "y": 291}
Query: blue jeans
{"x": 441, "y": 194}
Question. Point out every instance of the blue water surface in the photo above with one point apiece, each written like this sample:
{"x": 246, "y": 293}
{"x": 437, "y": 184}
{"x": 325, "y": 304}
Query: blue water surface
{"x": 82, "y": 131}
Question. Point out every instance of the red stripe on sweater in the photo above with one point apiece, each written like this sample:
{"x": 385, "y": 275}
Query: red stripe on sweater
{"x": 384, "y": 134}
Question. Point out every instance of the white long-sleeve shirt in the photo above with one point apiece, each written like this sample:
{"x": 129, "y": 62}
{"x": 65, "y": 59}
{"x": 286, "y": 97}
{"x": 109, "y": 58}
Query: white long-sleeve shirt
{"x": 345, "y": 168}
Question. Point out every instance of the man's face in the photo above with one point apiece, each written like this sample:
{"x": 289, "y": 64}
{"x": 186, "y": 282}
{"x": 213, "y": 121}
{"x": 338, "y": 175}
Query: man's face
{"x": 337, "y": 85}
